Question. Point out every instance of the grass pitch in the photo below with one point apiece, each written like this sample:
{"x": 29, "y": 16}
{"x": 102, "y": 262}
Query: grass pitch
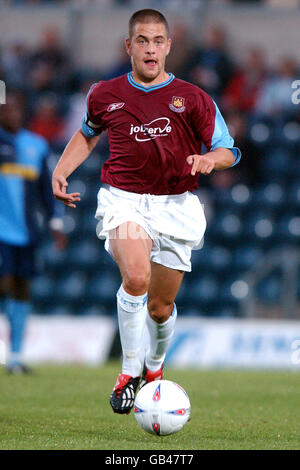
{"x": 67, "y": 407}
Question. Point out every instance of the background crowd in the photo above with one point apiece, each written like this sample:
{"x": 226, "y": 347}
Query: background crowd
{"x": 254, "y": 205}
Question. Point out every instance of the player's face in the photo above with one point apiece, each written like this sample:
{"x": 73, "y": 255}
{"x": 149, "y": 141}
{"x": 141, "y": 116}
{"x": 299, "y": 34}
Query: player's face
{"x": 148, "y": 48}
{"x": 11, "y": 114}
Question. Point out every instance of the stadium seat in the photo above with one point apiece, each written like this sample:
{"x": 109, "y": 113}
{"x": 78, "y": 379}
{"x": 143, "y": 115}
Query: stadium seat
{"x": 275, "y": 163}
{"x": 245, "y": 257}
{"x": 103, "y": 287}
{"x": 291, "y": 133}
{"x": 220, "y": 259}
{"x": 241, "y": 196}
{"x": 269, "y": 197}
{"x": 214, "y": 259}
{"x": 227, "y": 228}
{"x": 201, "y": 258}
{"x": 89, "y": 223}
{"x": 231, "y": 291}
{"x": 289, "y": 228}
{"x": 90, "y": 169}
{"x": 42, "y": 289}
{"x": 70, "y": 288}
{"x": 294, "y": 171}
{"x": 294, "y": 196}
{"x": 260, "y": 228}
{"x": 268, "y": 290}
{"x": 51, "y": 258}
{"x": 71, "y": 225}
{"x": 202, "y": 290}
{"x": 84, "y": 255}
{"x": 261, "y": 132}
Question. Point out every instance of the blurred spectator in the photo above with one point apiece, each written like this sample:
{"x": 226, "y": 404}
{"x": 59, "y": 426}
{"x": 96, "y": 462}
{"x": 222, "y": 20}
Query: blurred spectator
{"x": 248, "y": 171}
{"x": 211, "y": 66}
{"x": 121, "y": 66}
{"x": 181, "y": 50}
{"x": 49, "y": 63}
{"x": 246, "y": 83}
{"x": 46, "y": 120}
{"x": 25, "y": 188}
{"x": 283, "y": 3}
{"x": 275, "y": 97}
{"x": 15, "y": 65}
{"x": 77, "y": 109}
{"x": 50, "y": 51}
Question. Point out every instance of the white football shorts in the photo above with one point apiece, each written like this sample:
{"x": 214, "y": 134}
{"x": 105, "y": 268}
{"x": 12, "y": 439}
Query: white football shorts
{"x": 176, "y": 223}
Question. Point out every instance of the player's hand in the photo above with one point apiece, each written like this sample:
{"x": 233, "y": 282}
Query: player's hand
{"x": 201, "y": 164}
{"x": 59, "y": 186}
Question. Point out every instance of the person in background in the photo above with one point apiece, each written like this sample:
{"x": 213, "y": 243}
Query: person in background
{"x": 275, "y": 96}
{"x": 211, "y": 66}
{"x": 25, "y": 186}
{"x": 46, "y": 120}
{"x": 244, "y": 88}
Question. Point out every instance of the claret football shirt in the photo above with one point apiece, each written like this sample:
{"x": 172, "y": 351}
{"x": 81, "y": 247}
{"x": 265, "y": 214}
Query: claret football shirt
{"x": 152, "y": 130}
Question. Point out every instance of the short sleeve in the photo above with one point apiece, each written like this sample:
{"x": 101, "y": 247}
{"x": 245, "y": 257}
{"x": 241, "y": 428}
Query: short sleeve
{"x": 211, "y": 128}
{"x": 91, "y": 122}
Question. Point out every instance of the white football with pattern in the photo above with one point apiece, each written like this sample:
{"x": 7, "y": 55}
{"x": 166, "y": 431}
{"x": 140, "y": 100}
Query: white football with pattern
{"x": 162, "y": 407}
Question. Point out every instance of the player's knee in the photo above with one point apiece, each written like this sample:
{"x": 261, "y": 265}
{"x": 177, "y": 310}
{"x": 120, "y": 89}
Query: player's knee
{"x": 159, "y": 312}
{"x": 136, "y": 282}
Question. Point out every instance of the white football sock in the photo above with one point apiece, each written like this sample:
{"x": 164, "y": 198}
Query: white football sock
{"x": 160, "y": 339}
{"x": 132, "y": 311}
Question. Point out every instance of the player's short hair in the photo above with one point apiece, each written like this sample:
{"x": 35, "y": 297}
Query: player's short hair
{"x": 147, "y": 16}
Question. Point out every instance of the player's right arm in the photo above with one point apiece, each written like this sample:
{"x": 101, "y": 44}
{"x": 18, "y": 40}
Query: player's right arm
{"x": 76, "y": 152}
{"x": 78, "y": 148}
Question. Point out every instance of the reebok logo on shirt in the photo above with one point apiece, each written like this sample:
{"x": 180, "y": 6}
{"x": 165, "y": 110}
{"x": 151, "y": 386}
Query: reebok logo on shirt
{"x": 114, "y": 107}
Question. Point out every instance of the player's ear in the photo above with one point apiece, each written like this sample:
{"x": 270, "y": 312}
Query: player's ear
{"x": 169, "y": 45}
{"x": 128, "y": 46}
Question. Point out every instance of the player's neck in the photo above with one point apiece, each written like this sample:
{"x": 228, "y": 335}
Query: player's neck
{"x": 161, "y": 78}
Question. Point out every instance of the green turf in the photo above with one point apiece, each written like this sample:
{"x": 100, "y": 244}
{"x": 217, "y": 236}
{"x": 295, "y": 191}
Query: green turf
{"x": 67, "y": 407}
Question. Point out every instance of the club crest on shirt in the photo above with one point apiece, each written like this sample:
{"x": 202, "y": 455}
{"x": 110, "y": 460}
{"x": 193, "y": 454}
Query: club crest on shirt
{"x": 114, "y": 107}
{"x": 177, "y": 104}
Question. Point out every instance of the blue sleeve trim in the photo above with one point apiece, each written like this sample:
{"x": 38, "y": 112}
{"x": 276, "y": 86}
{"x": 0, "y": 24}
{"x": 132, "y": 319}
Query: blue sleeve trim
{"x": 222, "y": 138}
{"x": 237, "y": 155}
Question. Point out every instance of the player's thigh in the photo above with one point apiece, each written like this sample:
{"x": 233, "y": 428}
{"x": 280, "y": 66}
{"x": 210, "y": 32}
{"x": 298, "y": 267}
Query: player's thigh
{"x": 164, "y": 286}
{"x": 131, "y": 247}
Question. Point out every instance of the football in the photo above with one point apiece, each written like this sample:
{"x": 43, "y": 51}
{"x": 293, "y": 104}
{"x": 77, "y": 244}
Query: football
{"x": 162, "y": 407}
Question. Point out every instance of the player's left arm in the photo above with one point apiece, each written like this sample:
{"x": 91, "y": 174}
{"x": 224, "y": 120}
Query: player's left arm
{"x": 218, "y": 159}
{"x": 215, "y": 135}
